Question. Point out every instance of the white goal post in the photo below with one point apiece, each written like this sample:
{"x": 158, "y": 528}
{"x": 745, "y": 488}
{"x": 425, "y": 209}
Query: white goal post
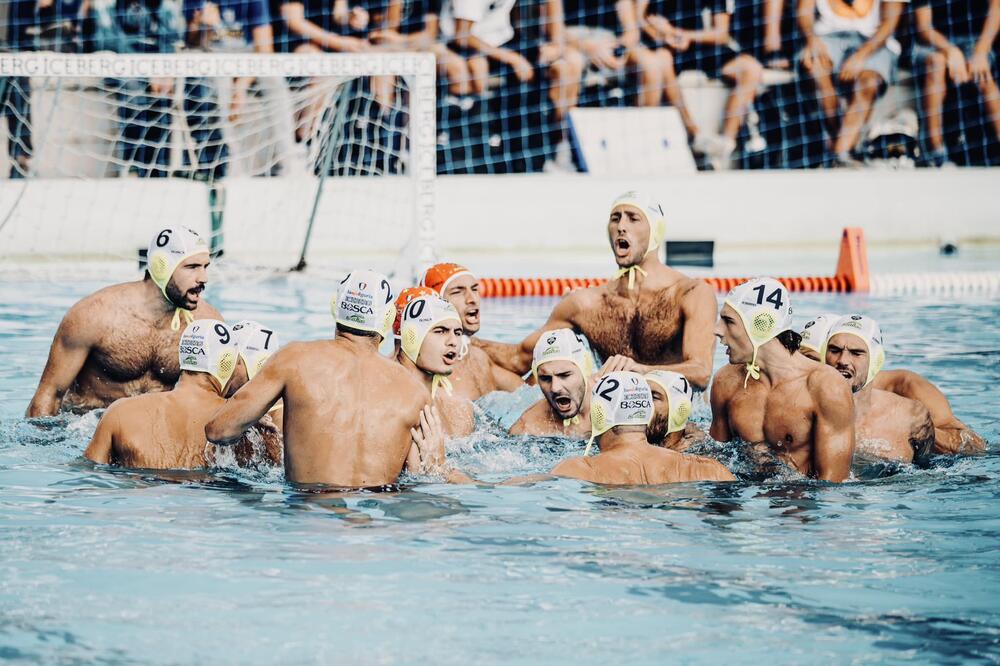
{"x": 330, "y": 157}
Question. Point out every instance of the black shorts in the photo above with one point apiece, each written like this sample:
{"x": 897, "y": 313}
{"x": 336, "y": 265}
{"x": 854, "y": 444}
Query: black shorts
{"x": 707, "y": 59}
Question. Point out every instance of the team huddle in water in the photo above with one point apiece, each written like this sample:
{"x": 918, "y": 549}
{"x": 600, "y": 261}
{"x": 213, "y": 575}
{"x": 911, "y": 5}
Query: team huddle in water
{"x": 175, "y": 377}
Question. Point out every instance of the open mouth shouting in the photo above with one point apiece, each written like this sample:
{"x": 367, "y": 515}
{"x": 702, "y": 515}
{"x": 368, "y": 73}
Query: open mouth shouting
{"x": 563, "y": 404}
{"x": 450, "y": 357}
{"x": 622, "y": 247}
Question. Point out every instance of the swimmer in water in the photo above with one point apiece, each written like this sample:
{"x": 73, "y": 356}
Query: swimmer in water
{"x": 772, "y": 397}
{"x": 475, "y": 374}
{"x": 122, "y": 340}
{"x": 166, "y": 430}
{"x": 348, "y": 410}
{"x": 951, "y": 435}
{"x": 562, "y": 367}
{"x": 672, "y": 406}
{"x": 621, "y": 407}
{"x": 430, "y": 337}
{"x": 887, "y": 425}
{"x": 647, "y": 317}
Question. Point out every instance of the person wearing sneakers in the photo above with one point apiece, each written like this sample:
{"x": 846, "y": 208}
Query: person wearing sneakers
{"x": 430, "y": 336}
{"x": 774, "y": 398}
{"x": 348, "y": 409}
{"x": 887, "y": 425}
{"x": 951, "y": 435}
{"x": 562, "y": 367}
{"x": 621, "y": 407}
{"x": 672, "y": 406}
{"x": 648, "y": 316}
{"x": 166, "y": 430}
{"x": 122, "y": 340}
{"x": 475, "y": 374}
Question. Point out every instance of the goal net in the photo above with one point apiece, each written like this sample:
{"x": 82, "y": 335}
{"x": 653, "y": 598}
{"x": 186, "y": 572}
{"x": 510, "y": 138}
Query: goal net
{"x": 276, "y": 158}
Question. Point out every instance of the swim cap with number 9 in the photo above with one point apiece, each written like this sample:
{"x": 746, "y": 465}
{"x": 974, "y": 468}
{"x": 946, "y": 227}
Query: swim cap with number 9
{"x": 208, "y": 345}
{"x": 364, "y": 302}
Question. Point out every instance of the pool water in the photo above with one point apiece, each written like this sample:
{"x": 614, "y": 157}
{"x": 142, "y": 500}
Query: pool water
{"x": 228, "y": 566}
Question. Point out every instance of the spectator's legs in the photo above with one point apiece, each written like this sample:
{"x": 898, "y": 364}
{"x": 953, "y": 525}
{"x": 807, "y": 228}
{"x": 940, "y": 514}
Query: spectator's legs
{"x": 826, "y": 93}
{"x": 650, "y": 76}
{"x": 564, "y": 77}
{"x": 991, "y": 98}
{"x": 935, "y": 86}
{"x": 865, "y": 92}
{"x": 479, "y": 74}
{"x": 672, "y": 90}
{"x": 746, "y": 74}
{"x": 308, "y": 114}
{"x": 454, "y": 69}
{"x": 384, "y": 91}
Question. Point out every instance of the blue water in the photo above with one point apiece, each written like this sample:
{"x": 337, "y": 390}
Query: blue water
{"x": 100, "y": 566}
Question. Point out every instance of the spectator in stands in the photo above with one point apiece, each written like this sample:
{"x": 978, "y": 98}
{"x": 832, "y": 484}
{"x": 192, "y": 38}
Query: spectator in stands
{"x": 956, "y": 45}
{"x": 140, "y": 26}
{"x": 414, "y": 25}
{"x": 683, "y": 41}
{"x": 607, "y": 34}
{"x": 311, "y": 26}
{"x": 852, "y": 41}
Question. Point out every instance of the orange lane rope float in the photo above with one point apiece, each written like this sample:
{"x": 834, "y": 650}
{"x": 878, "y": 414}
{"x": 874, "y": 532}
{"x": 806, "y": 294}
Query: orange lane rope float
{"x": 851, "y": 276}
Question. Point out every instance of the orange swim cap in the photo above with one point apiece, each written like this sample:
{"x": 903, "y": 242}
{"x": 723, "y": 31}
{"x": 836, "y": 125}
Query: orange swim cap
{"x": 439, "y": 276}
{"x": 404, "y": 298}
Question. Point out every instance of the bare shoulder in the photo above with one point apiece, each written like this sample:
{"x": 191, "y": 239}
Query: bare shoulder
{"x": 695, "y": 291}
{"x": 824, "y": 378}
{"x": 727, "y": 381}
{"x": 529, "y": 419}
{"x": 576, "y": 468}
{"x": 206, "y": 310}
{"x": 892, "y": 403}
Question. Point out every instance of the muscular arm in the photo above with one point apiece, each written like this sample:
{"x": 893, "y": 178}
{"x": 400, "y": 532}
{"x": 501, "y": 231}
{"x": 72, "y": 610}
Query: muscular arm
{"x": 70, "y": 348}
{"x": 252, "y": 401}
{"x": 722, "y": 393}
{"x": 102, "y": 443}
{"x": 833, "y": 428}
{"x": 698, "y": 342}
{"x": 700, "y": 468}
{"x": 504, "y": 379}
{"x": 922, "y": 434}
{"x": 517, "y": 357}
{"x": 926, "y": 31}
{"x": 574, "y": 468}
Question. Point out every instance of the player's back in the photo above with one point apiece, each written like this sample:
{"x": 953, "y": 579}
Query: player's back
{"x": 348, "y": 414}
{"x": 651, "y": 465}
{"x": 162, "y": 430}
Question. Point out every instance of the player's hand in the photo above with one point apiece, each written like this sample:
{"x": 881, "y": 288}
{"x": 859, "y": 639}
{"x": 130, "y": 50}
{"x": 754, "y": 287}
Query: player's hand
{"x": 851, "y": 68}
{"x": 618, "y": 363}
{"x": 979, "y": 67}
{"x": 429, "y": 438}
{"x": 958, "y": 69}
{"x": 523, "y": 69}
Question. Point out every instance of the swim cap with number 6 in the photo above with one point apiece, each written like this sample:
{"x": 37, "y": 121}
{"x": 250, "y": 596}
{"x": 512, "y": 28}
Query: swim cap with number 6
{"x": 208, "y": 345}
{"x": 364, "y": 302}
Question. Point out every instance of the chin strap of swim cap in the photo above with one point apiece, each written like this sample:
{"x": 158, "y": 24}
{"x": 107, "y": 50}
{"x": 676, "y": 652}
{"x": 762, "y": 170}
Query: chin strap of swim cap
{"x": 590, "y": 444}
{"x": 175, "y": 323}
{"x": 571, "y": 422}
{"x": 463, "y": 349}
{"x": 631, "y": 271}
{"x": 753, "y": 370}
{"x": 442, "y": 381}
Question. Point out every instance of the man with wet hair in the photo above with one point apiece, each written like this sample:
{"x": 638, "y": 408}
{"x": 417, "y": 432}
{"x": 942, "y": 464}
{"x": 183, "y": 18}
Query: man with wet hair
{"x": 887, "y": 425}
{"x": 647, "y": 317}
{"x": 430, "y": 335}
{"x": 562, "y": 367}
{"x": 348, "y": 410}
{"x": 475, "y": 374}
{"x": 166, "y": 430}
{"x": 774, "y": 398}
{"x": 122, "y": 340}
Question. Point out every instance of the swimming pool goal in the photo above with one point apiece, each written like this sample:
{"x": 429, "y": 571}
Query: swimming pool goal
{"x": 280, "y": 159}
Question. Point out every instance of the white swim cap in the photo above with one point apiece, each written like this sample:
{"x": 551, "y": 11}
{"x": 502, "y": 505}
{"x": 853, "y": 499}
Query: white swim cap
{"x": 167, "y": 250}
{"x": 870, "y": 332}
{"x": 420, "y": 316}
{"x": 652, "y": 212}
{"x": 256, "y": 343}
{"x": 619, "y": 398}
{"x": 815, "y": 333}
{"x": 208, "y": 345}
{"x": 765, "y": 308}
{"x": 562, "y": 344}
{"x": 364, "y": 302}
{"x": 679, "y": 396}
